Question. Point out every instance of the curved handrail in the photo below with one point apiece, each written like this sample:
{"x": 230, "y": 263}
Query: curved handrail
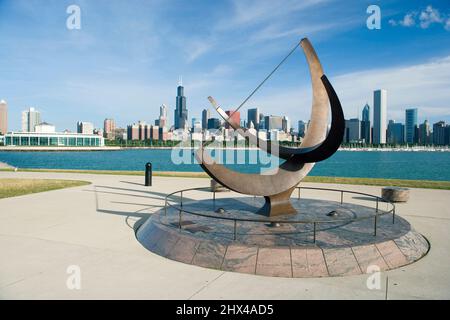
{"x": 378, "y": 199}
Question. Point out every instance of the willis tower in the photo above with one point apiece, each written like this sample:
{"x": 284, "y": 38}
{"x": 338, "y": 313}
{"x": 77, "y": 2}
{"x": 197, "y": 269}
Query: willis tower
{"x": 181, "y": 113}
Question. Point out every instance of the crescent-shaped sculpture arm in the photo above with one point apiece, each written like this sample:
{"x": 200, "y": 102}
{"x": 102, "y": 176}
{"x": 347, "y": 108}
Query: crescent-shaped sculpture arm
{"x": 282, "y": 178}
{"x": 306, "y": 152}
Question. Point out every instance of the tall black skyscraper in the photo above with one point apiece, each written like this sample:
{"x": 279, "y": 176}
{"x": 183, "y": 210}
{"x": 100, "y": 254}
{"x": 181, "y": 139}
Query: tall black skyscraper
{"x": 253, "y": 117}
{"x": 181, "y": 113}
{"x": 205, "y": 116}
{"x": 365, "y": 124}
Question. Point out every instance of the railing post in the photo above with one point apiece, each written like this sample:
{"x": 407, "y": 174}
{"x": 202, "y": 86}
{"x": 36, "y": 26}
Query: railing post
{"x": 393, "y": 215}
{"x": 376, "y": 210}
{"x": 375, "y": 225}
{"x": 165, "y": 207}
{"x": 214, "y": 195}
{"x": 179, "y": 220}
{"x": 314, "y": 232}
{"x": 342, "y": 197}
{"x": 181, "y": 199}
{"x": 235, "y": 230}
{"x": 298, "y": 193}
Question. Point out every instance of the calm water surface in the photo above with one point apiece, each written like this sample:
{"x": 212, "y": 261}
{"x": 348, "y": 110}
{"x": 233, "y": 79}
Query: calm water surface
{"x": 400, "y": 165}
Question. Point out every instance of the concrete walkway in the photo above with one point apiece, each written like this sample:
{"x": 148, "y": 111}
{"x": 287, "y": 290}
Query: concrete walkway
{"x": 91, "y": 227}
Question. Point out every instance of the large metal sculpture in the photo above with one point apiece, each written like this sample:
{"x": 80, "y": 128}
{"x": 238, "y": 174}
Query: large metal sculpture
{"x": 276, "y": 186}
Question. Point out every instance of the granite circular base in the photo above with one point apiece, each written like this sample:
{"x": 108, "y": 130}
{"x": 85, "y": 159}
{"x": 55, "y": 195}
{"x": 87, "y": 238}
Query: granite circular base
{"x": 344, "y": 247}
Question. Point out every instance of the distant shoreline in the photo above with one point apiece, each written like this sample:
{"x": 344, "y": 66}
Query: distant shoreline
{"x": 118, "y": 148}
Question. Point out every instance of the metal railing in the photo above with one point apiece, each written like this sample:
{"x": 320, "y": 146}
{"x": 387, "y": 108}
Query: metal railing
{"x": 314, "y": 223}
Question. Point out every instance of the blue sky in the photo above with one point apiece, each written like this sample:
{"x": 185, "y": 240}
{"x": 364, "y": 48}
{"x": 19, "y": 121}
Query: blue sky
{"x": 125, "y": 60}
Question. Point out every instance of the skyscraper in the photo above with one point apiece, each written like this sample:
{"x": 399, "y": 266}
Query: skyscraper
{"x": 181, "y": 113}
{"x": 163, "y": 111}
{"x": 3, "y": 117}
{"x": 213, "y": 123}
{"x": 84, "y": 127}
{"x": 205, "y": 116}
{"x": 163, "y": 120}
{"x": 365, "y": 124}
{"x": 439, "y": 136}
{"x": 286, "y": 124}
{"x": 234, "y": 116}
{"x": 354, "y": 130}
{"x": 424, "y": 133}
{"x": 379, "y": 116}
{"x": 273, "y": 122}
{"x": 395, "y": 132}
{"x": 253, "y": 117}
{"x": 109, "y": 126}
{"x": 302, "y": 128}
{"x": 410, "y": 125}
{"x": 196, "y": 125}
{"x": 366, "y": 113}
{"x": 30, "y": 119}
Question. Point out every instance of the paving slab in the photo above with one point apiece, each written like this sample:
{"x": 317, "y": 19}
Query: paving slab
{"x": 42, "y": 234}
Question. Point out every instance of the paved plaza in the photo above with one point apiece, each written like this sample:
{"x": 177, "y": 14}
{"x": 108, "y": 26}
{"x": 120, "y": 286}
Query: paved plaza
{"x": 92, "y": 227}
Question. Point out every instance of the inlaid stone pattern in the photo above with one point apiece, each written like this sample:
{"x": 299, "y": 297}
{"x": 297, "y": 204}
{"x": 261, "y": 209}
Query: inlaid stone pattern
{"x": 297, "y": 261}
{"x": 352, "y": 226}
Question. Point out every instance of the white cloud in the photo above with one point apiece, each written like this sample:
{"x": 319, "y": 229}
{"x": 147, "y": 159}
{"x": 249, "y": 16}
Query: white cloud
{"x": 426, "y": 17}
{"x": 429, "y": 16}
{"x": 276, "y": 32}
{"x": 251, "y": 12}
{"x": 196, "y": 48}
{"x": 208, "y": 79}
{"x": 408, "y": 20}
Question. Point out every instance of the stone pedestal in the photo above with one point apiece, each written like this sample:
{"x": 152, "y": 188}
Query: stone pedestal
{"x": 395, "y": 194}
{"x": 217, "y": 187}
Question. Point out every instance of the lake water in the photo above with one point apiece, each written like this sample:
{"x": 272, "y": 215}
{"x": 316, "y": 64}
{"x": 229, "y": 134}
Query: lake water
{"x": 395, "y": 165}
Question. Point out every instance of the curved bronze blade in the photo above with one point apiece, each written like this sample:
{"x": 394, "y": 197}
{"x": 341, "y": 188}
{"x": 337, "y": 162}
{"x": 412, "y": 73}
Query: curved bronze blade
{"x": 306, "y": 153}
{"x": 288, "y": 174}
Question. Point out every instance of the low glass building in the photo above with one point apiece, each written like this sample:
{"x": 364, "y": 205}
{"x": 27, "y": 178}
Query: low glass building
{"x": 57, "y": 139}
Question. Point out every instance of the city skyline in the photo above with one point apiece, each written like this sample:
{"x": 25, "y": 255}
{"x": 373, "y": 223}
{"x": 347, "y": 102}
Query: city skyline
{"x": 379, "y": 95}
{"x": 89, "y": 72}
{"x": 358, "y": 129}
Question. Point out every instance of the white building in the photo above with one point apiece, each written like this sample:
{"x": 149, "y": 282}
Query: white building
{"x": 85, "y": 127}
{"x": 30, "y": 119}
{"x": 55, "y": 139}
{"x": 196, "y": 125}
{"x": 197, "y": 136}
{"x": 163, "y": 117}
{"x": 262, "y": 134}
{"x": 180, "y": 135}
{"x": 45, "y": 127}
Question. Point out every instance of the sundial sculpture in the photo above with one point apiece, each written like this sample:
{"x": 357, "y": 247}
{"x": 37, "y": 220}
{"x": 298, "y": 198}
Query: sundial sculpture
{"x": 191, "y": 230}
{"x": 277, "y": 185}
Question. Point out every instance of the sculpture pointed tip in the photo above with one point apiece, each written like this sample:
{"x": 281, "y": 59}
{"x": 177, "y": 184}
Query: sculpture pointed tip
{"x": 212, "y": 101}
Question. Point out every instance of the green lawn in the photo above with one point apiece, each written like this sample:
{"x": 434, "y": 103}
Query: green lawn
{"x": 18, "y": 187}
{"x": 428, "y": 184}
